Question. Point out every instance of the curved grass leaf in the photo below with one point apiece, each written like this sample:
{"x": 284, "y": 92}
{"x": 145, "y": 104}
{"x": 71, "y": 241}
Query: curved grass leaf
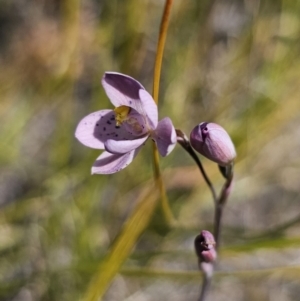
{"x": 134, "y": 227}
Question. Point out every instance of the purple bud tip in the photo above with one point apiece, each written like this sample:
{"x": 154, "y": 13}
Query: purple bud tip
{"x": 213, "y": 142}
{"x": 205, "y": 247}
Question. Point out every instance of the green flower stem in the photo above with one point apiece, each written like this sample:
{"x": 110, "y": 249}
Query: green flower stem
{"x": 157, "y": 72}
{"x": 162, "y": 189}
{"x": 160, "y": 48}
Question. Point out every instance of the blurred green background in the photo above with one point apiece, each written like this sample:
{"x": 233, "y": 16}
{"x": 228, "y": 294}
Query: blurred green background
{"x": 236, "y": 63}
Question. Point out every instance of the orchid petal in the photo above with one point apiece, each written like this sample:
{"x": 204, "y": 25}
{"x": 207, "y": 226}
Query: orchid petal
{"x": 108, "y": 163}
{"x": 122, "y": 90}
{"x": 96, "y": 128}
{"x": 165, "y": 136}
{"x": 149, "y": 107}
{"x": 123, "y": 146}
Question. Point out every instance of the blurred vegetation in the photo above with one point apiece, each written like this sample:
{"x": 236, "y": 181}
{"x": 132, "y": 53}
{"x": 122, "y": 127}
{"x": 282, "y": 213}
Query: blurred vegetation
{"x": 236, "y": 63}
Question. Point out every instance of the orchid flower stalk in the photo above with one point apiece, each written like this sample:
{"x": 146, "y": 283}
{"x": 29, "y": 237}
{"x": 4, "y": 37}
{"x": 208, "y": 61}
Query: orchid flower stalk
{"x": 212, "y": 141}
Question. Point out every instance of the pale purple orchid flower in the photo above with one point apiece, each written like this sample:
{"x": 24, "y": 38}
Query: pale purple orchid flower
{"x": 123, "y": 131}
{"x": 212, "y": 141}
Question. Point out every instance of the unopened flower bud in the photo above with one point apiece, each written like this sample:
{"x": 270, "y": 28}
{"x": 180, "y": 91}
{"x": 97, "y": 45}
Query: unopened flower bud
{"x": 205, "y": 247}
{"x": 213, "y": 142}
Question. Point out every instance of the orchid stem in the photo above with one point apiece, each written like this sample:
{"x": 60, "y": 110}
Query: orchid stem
{"x": 183, "y": 140}
{"x": 160, "y": 183}
{"x": 217, "y": 224}
{"x": 219, "y": 206}
{"x": 157, "y": 72}
{"x": 207, "y": 272}
{"x": 160, "y": 48}
{"x": 205, "y": 286}
{"x": 219, "y": 202}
